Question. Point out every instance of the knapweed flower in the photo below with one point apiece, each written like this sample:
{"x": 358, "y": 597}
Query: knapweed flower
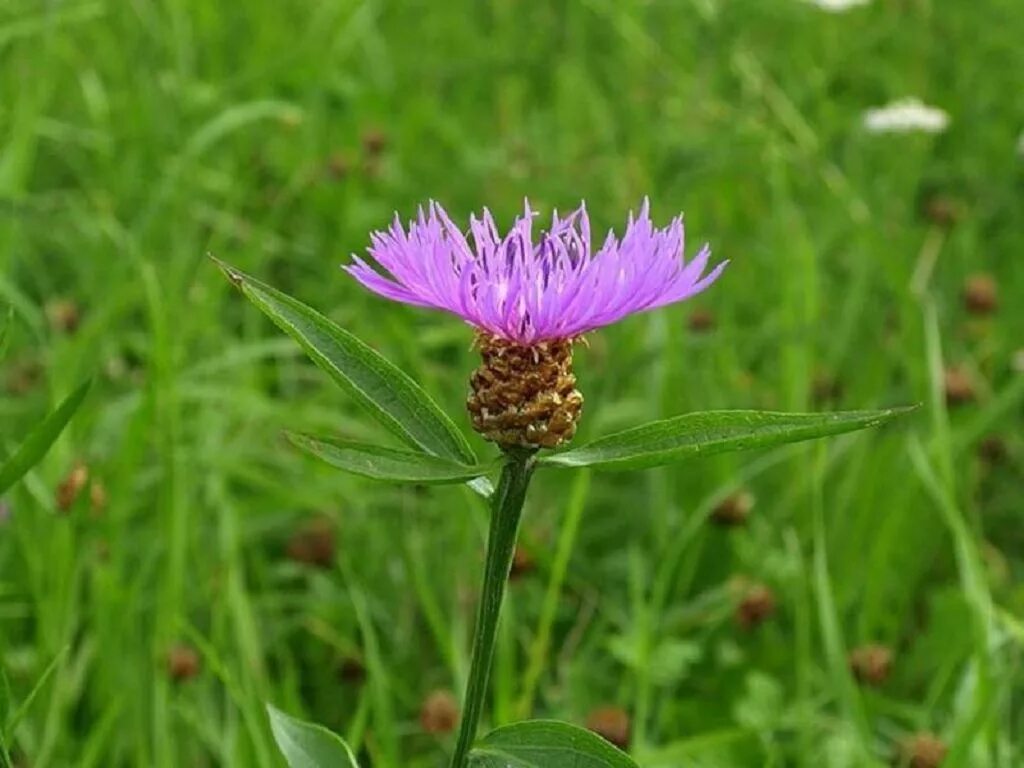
{"x": 530, "y": 297}
{"x": 906, "y": 116}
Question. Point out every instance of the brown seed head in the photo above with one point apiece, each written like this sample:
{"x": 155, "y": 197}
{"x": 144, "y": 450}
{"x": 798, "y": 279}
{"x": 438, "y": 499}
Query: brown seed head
{"x": 826, "y": 388}
{"x": 981, "y": 295}
{"x": 352, "y": 670}
{"x": 63, "y": 315}
{"x": 612, "y": 724}
{"x": 523, "y": 563}
{"x": 871, "y": 664}
{"x": 733, "y": 510}
{"x": 757, "y": 606}
{"x": 182, "y": 663}
{"x": 993, "y": 450}
{"x": 23, "y": 376}
{"x": 375, "y": 141}
{"x": 98, "y": 497}
{"x": 440, "y": 712}
{"x": 922, "y": 750}
{"x": 313, "y": 543}
{"x": 701, "y": 320}
{"x": 71, "y": 486}
{"x": 943, "y": 211}
{"x": 524, "y": 396}
{"x": 959, "y": 386}
{"x": 338, "y": 166}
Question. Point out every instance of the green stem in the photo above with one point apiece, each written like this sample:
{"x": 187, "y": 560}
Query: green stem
{"x": 506, "y": 510}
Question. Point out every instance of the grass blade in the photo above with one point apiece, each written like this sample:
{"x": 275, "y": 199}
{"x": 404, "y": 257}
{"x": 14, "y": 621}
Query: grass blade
{"x": 40, "y": 439}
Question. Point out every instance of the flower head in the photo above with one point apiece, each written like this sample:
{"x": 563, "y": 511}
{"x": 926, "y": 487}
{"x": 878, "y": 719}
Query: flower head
{"x": 906, "y": 116}
{"x": 526, "y": 288}
{"x": 530, "y": 297}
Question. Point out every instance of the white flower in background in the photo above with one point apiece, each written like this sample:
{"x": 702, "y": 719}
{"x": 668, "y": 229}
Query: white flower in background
{"x": 906, "y": 116}
{"x": 837, "y": 6}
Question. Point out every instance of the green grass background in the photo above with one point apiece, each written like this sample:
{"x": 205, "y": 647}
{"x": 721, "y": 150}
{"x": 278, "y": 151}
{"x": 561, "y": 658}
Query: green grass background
{"x": 138, "y": 135}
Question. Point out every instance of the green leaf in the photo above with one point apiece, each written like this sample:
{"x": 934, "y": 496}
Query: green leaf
{"x": 386, "y": 392}
{"x": 387, "y": 463}
{"x": 307, "y": 745}
{"x": 704, "y": 434}
{"x": 546, "y": 744}
{"x": 40, "y": 439}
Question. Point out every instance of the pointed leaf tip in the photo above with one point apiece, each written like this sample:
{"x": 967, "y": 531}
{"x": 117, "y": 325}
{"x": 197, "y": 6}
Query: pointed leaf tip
{"x": 235, "y": 277}
{"x": 40, "y": 439}
{"x": 307, "y": 745}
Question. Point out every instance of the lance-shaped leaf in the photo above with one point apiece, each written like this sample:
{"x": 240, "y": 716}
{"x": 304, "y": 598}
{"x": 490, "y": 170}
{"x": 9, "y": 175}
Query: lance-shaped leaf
{"x": 387, "y": 463}
{"x": 306, "y": 745}
{"x": 546, "y": 744}
{"x": 40, "y": 439}
{"x": 384, "y": 390}
{"x": 711, "y": 432}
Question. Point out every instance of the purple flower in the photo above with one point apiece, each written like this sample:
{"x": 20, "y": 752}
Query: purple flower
{"x": 526, "y": 289}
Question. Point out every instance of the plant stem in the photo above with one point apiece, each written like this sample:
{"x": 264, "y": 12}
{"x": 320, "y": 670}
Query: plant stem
{"x": 506, "y": 510}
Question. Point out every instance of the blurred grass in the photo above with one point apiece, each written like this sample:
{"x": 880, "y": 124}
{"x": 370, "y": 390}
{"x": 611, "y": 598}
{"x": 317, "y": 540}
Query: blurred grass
{"x": 137, "y": 136}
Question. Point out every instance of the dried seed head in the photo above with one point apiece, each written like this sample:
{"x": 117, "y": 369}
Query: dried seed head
{"x": 922, "y": 750}
{"x": 375, "y": 141}
{"x": 71, "y": 486}
{"x": 23, "y": 376}
{"x": 182, "y": 663}
{"x": 98, "y": 497}
{"x": 757, "y": 606}
{"x": 959, "y": 386}
{"x": 524, "y": 396}
{"x": 734, "y": 510}
{"x": 440, "y": 712}
{"x": 701, "y": 320}
{"x": 352, "y": 670}
{"x": 523, "y": 564}
{"x": 981, "y": 295}
{"x": 825, "y": 388}
{"x": 612, "y": 724}
{"x": 313, "y": 543}
{"x": 871, "y": 664}
{"x": 942, "y": 210}
{"x": 338, "y": 166}
{"x": 993, "y": 450}
{"x": 63, "y": 315}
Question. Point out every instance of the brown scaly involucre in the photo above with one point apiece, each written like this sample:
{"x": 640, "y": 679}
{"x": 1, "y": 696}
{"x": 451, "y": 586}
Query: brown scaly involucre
{"x": 525, "y": 396}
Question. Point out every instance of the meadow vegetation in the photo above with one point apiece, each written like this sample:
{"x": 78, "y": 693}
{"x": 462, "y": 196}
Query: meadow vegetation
{"x": 174, "y": 563}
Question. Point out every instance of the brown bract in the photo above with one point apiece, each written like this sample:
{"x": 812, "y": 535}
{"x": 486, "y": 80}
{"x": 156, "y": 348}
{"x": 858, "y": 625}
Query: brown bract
{"x": 524, "y": 396}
